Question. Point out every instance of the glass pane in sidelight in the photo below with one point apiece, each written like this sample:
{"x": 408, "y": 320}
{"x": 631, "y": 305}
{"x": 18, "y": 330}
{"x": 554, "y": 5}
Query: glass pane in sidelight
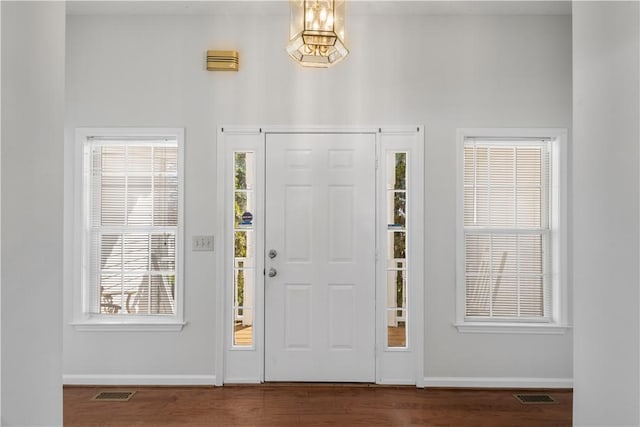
{"x": 244, "y": 249}
{"x": 240, "y": 206}
{"x": 240, "y": 170}
{"x": 397, "y": 171}
{"x": 397, "y": 208}
{"x": 397, "y": 285}
{"x": 243, "y": 327}
{"x": 244, "y": 170}
{"x": 396, "y": 245}
{"x": 244, "y": 244}
{"x": 396, "y": 289}
{"x": 242, "y": 311}
{"x": 238, "y": 286}
{"x": 396, "y": 328}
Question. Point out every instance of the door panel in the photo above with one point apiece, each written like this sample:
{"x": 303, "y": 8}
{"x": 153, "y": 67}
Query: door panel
{"x": 320, "y": 219}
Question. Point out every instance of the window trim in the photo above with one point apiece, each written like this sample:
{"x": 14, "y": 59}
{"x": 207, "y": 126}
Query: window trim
{"x": 557, "y": 323}
{"x": 84, "y": 321}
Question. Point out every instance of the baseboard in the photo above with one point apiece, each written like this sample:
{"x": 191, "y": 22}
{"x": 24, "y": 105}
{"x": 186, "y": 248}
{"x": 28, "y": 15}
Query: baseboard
{"x": 498, "y": 382}
{"x": 210, "y": 380}
{"x": 242, "y": 381}
{"x": 158, "y": 380}
{"x": 396, "y": 381}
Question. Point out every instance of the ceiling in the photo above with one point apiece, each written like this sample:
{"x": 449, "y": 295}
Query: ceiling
{"x": 281, "y": 7}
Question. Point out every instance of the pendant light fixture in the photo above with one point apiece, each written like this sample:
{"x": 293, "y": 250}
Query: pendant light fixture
{"x": 317, "y": 32}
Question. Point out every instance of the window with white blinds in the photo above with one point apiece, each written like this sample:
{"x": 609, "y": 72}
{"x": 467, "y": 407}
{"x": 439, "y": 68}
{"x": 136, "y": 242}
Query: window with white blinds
{"x": 132, "y": 216}
{"x": 506, "y": 228}
{"x": 509, "y": 241}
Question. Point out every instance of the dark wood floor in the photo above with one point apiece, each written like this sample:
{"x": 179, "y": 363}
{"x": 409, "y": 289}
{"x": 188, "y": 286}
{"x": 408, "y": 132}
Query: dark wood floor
{"x": 312, "y": 405}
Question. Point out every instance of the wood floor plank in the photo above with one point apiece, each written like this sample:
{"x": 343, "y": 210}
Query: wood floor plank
{"x": 312, "y": 405}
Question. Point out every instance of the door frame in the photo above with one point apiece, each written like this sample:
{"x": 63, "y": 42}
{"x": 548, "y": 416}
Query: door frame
{"x": 246, "y": 364}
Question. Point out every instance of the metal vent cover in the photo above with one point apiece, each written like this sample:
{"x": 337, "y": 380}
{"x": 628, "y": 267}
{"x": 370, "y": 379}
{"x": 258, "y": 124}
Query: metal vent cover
{"x": 534, "y": 399}
{"x": 223, "y": 60}
{"x": 114, "y": 396}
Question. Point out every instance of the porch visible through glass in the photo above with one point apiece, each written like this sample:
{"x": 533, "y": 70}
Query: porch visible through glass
{"x": 244, "y": 248}
{"x": 396, "y": 254}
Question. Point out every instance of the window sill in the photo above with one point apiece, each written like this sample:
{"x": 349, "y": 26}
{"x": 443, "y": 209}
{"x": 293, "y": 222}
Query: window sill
{"x": 127, "y": 326}
{"x": 510, "y": 328}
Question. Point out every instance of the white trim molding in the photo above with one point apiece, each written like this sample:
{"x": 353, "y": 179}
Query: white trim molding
{"x": 83, "y": 318}
{"x": 556, "y": 318}
{"x": 141, "y": 380}
{"x": 393, "y": 366}
{"x": 511, "y": 328}
{"x": 128, "y": 326}
{"x": 242, "y": 381}
{"x": 498, "y": 382}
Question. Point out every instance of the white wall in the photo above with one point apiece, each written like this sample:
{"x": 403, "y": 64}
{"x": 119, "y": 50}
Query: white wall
{"x": 606, "y": 41}
{"x": 33, "y": 49}
{"x": 443, "y": 72}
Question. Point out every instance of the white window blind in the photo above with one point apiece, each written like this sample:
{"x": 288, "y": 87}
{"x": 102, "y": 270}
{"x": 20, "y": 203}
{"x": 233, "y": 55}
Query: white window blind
{"x": 132, "y": 225}
{"x": 506, "y": 214}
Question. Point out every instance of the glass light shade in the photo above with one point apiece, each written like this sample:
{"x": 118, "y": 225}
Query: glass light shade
{"x": 316, "y": 32}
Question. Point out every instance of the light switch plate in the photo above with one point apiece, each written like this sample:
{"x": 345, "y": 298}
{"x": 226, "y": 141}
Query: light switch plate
{"x": 202, "y": 243}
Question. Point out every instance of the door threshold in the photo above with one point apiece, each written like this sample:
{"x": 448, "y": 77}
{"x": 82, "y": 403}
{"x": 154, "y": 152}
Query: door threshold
{"x": 318, "y": 384}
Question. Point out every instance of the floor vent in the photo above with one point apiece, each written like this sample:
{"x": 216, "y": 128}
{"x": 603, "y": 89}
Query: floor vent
{"x": 534, "y": 399}
{"x": 114, "y": 396}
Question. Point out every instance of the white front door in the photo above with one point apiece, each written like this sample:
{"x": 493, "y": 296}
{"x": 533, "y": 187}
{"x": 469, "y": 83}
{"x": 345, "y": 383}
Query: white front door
{"x": 320, "y": 230}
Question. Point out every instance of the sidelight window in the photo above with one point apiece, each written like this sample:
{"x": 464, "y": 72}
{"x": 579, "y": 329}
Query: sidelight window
{"x": 396, "y": 254}
{"x": 244, "y": 268}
